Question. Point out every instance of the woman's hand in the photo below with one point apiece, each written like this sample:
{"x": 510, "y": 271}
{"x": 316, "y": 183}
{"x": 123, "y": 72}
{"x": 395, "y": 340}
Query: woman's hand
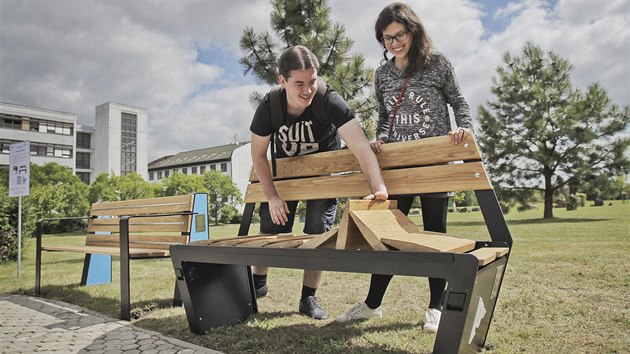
{"x": 458, "y": 135}
{"x": 377, "y": 146}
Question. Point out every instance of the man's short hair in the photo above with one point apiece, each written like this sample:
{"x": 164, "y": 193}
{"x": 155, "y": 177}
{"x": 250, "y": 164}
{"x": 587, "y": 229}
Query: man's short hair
{"x": 297, "y": 57}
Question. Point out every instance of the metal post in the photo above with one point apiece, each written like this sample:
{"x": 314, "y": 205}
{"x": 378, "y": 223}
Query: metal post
{"x": 19, "y": 236}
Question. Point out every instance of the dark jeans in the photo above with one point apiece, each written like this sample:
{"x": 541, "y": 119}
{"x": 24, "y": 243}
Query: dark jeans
{"x": 320, "y": 217}
{"x": 434, "y": 211}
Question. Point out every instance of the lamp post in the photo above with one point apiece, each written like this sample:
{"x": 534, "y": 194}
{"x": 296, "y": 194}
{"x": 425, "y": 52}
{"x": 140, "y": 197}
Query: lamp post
{"x": 164, "y": 191}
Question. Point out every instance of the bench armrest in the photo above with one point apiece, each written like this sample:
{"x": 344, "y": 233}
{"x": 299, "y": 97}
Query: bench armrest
{"x": 40, "y": 223}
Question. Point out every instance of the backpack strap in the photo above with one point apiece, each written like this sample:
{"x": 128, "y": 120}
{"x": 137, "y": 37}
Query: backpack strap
{"x": 277, "y": 112}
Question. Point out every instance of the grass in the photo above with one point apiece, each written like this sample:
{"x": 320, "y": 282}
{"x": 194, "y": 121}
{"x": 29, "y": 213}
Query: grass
{"x": 566, "y": 290}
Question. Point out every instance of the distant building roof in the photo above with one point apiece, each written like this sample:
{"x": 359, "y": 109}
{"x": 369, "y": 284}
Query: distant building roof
{"x": 196, "y": 157}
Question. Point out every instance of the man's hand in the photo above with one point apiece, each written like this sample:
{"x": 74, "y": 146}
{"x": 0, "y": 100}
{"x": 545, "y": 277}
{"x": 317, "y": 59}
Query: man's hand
{"x": 279, "y": 210}
{"x": 378, "y": 195}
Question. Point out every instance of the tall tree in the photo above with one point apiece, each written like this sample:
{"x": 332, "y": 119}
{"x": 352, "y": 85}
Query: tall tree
{"x": 223, "y": 195}
{"x": 307, "y": 22}
{"x": 541, "y": 133}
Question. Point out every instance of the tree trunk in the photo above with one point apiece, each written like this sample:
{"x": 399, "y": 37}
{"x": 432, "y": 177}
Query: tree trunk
{"x": 548, "y": 211}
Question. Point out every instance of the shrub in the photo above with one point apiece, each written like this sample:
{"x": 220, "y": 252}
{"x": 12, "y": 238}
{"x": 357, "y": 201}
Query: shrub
{"x": 8, "y": 245}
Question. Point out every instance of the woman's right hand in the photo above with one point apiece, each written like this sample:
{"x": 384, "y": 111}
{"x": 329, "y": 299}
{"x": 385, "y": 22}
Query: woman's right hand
{"x": 377, "y": 146}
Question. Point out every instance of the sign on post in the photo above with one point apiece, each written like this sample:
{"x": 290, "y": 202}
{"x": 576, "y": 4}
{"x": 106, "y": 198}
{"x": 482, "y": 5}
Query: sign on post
{"x": 19, "y": 182}
{"x": 19, "y": 168}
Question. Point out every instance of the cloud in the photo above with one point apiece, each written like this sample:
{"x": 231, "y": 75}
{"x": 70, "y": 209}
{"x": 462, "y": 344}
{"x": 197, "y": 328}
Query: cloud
{"x": 179, "y": 59}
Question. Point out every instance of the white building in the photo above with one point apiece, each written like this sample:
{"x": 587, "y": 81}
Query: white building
{"x": 121, "y": 142}
{"x": 232, "y": 160}
{"x": 51, "y": 133}
{"x": 118, "y": 142}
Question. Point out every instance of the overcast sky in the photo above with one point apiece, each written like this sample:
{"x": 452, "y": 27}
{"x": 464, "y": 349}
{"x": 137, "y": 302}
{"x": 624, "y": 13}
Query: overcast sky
{"x": 179, "y": 59}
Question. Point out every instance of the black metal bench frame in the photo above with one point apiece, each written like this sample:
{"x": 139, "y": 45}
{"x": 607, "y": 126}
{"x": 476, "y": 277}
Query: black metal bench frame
{"x": 216, "y": 288}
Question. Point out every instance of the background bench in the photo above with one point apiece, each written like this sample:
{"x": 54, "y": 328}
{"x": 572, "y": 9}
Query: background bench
{"x": 132, "y": 229}
{"x": 215, "y": 281}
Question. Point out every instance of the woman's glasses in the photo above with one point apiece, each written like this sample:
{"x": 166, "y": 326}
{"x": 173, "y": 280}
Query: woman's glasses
{"x": 400, "y": 36}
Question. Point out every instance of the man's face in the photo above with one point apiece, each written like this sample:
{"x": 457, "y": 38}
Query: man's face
{"x": 301, "y": 86}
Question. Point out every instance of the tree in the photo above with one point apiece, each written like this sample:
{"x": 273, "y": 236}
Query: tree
{"x": 222, "y": 194}
{"x": 307, "y": 22}
{"x": 128, "y": 187}
{"x": 178, "y": 183}
{"x": 543, "y": 134}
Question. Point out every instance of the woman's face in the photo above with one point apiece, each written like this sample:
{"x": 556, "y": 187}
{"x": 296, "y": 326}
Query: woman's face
{"x": 397, "y": 40}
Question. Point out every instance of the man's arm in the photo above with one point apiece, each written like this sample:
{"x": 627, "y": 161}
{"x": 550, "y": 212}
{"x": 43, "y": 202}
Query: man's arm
{"x": 278, "y": 208}
{"x": 357, "y": 142}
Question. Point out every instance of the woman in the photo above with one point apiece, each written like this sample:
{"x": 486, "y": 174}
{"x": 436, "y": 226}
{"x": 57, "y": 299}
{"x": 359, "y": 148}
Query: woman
{"x": 414, "y": 89}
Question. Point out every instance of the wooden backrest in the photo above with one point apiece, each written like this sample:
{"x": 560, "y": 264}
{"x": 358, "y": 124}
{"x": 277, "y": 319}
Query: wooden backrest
{"x": 411, "y": 167}
{"x": 157, "y": 232}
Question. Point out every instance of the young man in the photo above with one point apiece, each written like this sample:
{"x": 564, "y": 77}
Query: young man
{"x": 299, "y": 131}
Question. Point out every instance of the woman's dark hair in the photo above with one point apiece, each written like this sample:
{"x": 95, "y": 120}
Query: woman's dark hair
{"x": 421, "y": 48}
{"x": 297, "y": 57}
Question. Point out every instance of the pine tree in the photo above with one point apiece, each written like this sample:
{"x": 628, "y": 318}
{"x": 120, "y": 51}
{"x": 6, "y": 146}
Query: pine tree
{"x": 541, "y": 133}
{"x": 307, "y": 22}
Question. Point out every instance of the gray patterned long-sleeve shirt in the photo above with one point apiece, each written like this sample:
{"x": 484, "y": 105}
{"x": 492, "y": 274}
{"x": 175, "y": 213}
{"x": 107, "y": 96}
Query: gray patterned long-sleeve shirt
{"x": 423, "y": 111}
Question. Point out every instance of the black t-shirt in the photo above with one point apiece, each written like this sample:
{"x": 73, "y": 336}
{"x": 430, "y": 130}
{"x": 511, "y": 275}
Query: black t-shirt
{"x": 306, "y": 134}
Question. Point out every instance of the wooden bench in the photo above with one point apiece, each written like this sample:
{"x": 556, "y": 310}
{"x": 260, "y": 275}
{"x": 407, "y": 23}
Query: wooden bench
{"x": 215, "y": 279}
{"x": 132, "y": 229}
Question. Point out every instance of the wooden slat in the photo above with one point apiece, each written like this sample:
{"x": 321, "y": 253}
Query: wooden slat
{"x": 261, "y": 242}
{"x": 112, "y": 251}
{"x": 402, "y": 154}
{"x": 165, "y": 205}
{"x": 178, "y": 223}
{"x": 137, "y": 240}
{"x": 487, "y": 255}
{"x": 349, "y": 236}
{"x": 293, "y": 242}
{"x": 442, "y": 178}
{"x": 423, "y": 242}
{"x": 233, "y": 241}
{"x": 322, "y": 241}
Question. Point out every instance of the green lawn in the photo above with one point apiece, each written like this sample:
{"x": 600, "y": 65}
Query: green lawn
{"x": 566, "y": 291}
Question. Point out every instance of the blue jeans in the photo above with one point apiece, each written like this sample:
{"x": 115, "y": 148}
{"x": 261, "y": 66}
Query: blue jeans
{"x": 320, "y": 217}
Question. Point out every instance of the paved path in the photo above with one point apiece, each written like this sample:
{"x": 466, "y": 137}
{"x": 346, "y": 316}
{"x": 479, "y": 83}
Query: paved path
{"x": 31, "y": 324}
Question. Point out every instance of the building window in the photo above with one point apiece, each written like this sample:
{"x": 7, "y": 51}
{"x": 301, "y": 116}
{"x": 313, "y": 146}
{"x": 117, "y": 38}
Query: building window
{"x": 159, "y": 174}
{"x": 167, "y": 173}
{"x": 213, "y": 167}
{"x": 10, "y": 122}
{"x": 40, "y": 149}
{"x": 83, "y": 160}
{"x": 150, "y": 176}
{"x": 83, "y": 141}
{"x": 224, "y": 167}
{"x": 84, "y": 177}
{"x": 193, "y": 170}
{"x": 185, "y": 170}
{"x": 128, "y": 140}
{"x": 202, "y": 169}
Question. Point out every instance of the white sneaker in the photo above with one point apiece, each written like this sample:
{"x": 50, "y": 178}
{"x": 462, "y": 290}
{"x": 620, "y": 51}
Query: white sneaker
{"x": 432, "y": 320}
{"x": 359, "y": 311}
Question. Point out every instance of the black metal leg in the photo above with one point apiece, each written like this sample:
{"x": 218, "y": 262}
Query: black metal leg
{"x": 457, "y": 299}
{"x": 125, "y": 298}
{"x": 86, "y": 268}
{"x": 213, "y": 294}
{"x": 177, "y": 297}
